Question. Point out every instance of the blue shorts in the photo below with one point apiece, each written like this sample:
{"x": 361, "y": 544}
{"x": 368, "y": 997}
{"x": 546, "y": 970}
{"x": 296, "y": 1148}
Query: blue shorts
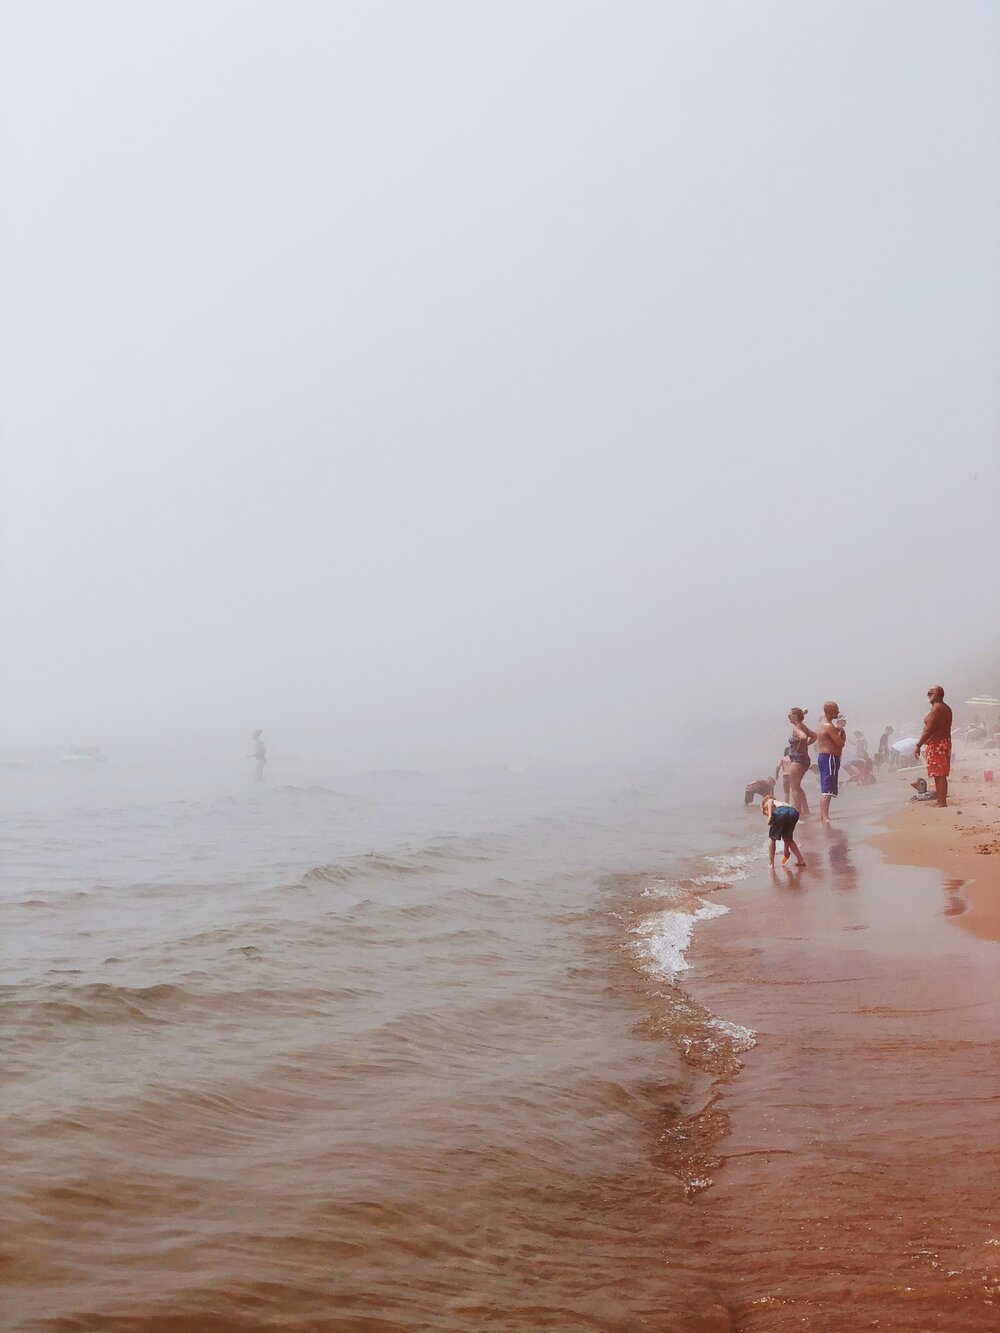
{"x": 783, "y": 823}
{"x": 829, "y": 771}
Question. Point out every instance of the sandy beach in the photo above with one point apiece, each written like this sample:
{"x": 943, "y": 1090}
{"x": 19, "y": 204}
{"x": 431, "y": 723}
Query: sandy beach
{"x": 864, "y": 1123}
{"x": 962, "y": 841}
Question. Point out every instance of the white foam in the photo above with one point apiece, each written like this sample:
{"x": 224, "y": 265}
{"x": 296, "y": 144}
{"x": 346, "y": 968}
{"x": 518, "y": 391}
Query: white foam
{"x": 743, "y": 1039}
{"x": 732, "y": 866}
{"x": 665, "y": 937}
{"x": 732, "y": 1039}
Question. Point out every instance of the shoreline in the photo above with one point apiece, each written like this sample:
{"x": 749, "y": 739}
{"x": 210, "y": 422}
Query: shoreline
{"x": 862, "y": 1124}
{"x": 962, "y": 841}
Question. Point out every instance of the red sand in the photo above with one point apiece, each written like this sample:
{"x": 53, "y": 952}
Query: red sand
{"x": 860, "y": 1170}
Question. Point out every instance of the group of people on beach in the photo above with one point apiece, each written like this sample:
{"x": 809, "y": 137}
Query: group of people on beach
{"x": 830, "y": 740}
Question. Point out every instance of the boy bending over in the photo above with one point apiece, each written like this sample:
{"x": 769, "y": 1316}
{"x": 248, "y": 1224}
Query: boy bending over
{"x": 781, "y": 821}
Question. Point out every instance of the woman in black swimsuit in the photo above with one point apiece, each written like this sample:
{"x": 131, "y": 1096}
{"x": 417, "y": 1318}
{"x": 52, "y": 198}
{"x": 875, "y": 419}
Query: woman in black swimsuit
{"x": 798, "y": 753}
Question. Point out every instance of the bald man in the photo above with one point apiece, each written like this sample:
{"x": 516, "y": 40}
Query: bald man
{"x": 936, "y": 736}
{"x": 830, "y": 741}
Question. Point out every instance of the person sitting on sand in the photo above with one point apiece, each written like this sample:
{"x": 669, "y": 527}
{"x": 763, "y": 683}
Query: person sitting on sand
{"x": 857, "y": 761}
{"x": 761, "y": 787}
{"x": 798, "y": 754}
{"x": 975, "y": 732}
{"x": 781, "y": 821}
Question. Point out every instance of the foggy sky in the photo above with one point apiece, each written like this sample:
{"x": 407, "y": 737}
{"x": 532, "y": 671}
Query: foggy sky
{"x": 493, "y": 381}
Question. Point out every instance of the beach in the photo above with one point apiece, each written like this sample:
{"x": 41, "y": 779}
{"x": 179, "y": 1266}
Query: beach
{"x": 864, "y": 1123}
{"x": 962, "y": 841}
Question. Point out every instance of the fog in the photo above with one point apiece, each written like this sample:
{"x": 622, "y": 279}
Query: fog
{"x": 494, "y": 383}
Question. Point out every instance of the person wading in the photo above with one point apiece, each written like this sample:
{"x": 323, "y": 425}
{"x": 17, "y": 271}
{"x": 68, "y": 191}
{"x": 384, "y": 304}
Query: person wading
{"x": 830, "y": 745}
{"x": 259, "y": 753}
{"x": 798, "y": 759}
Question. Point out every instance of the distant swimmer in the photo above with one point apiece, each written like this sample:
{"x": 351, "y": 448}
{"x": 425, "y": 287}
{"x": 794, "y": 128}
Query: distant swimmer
{"x": 761, "y": 787}
{"x": 830, "y": 741}
{"x": 798, "y": 759}
{"x": 936, "y": 738}
{"x": 781, "y": 821}
{"x": 259, "y": 753}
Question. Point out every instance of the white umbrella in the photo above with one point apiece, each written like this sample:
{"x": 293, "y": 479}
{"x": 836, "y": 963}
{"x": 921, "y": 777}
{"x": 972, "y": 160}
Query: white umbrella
{"x": 906, "y": 746}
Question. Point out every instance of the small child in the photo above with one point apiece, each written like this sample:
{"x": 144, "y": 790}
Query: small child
{"x": 784, "y": 764}
{"x": 781, "y": 821}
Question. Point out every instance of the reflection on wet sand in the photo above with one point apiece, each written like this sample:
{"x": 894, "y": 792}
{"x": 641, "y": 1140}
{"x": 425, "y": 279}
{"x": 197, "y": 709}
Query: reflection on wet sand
{"x": 842, "y": 865}
{"x": 956, "y": 904}
{"x": 864, "y": 1122}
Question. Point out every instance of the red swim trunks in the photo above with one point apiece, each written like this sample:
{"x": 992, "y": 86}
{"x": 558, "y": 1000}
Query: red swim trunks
{"x": 938, "y": 755}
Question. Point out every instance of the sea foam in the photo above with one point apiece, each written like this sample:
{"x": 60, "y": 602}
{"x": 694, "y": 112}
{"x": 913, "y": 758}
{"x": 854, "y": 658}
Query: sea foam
{"x": 665, "y": 937}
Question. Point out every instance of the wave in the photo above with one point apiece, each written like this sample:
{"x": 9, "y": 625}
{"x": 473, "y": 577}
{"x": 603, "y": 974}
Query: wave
{"x": 660, "y": 914}
{"x": 363, "y": 867}
{"x": 44, "y": 1009}
{"x": 663, "y": 939}
{"x": 423, "y": 861}
{"x": 311, "y": 789}
{"x": 729, "y": 867}
{"x": 48, "y": 1006}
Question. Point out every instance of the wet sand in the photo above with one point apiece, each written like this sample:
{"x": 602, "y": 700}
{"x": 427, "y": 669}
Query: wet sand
{"x": 962, "y": 840}
{"x": 857, "y": 1185}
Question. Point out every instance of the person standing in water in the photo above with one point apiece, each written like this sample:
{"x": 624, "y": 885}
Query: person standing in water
{"x": 830, "y": 742}
{"x": 798, "y": 759}
{"x": 936, "y": 737}
{"x": 259, "y": 753}
{"x": 781, "y": 821}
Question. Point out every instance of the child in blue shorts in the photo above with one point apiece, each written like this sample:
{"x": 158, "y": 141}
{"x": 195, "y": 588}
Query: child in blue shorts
{"x": 781, "y": 821}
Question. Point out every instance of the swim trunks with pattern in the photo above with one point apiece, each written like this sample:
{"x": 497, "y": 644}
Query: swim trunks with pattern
{"x": 938, "y": 756}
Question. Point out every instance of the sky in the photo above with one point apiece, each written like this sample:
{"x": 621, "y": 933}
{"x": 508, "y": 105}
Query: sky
{"x": 424, "y": 382}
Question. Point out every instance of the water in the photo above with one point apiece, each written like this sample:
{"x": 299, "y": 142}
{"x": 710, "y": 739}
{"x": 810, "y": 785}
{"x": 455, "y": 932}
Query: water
{"x": 378, "y": 1051}
{"x": 496, "y": 1050}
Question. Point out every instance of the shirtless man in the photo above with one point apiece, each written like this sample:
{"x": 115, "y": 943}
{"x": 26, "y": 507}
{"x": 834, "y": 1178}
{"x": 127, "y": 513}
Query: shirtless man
{"x": 830, "y": 742}
{"x": 936, "y": 735}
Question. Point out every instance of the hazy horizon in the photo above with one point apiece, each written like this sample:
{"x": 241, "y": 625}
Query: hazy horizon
{"x": 494, "y": 383}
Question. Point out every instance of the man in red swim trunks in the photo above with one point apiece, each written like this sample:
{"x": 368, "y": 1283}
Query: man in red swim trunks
{"x": 936, "y": 736}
